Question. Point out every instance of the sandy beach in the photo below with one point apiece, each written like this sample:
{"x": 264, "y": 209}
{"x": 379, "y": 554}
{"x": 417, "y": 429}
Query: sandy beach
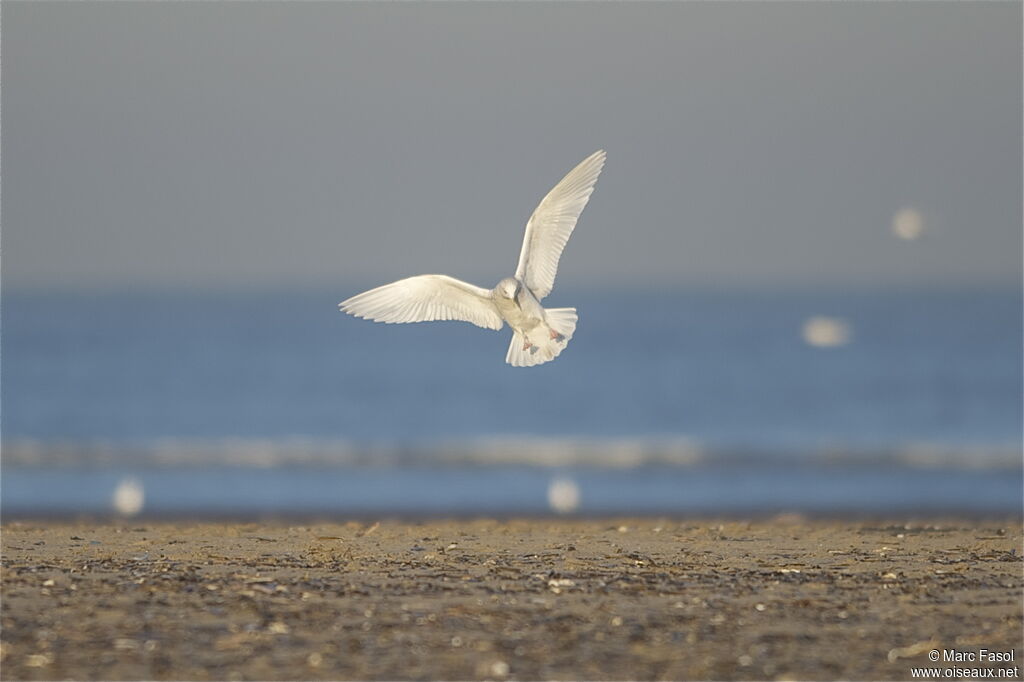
{"x": 779, "y": 599}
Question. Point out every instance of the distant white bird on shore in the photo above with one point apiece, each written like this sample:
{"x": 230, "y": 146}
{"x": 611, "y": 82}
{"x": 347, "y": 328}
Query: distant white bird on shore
{"x": 539, "y": 334}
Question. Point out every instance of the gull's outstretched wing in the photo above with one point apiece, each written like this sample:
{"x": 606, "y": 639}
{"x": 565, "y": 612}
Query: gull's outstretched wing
{"x": 551, "y": 224}
{"x": 424, "y": 298}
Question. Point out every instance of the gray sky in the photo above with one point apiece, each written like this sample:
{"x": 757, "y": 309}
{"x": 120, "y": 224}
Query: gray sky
{"x": 238, "y": 144}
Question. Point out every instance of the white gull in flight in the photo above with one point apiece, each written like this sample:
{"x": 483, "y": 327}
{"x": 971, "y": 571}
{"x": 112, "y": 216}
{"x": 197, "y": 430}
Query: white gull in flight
{"x": 539, "y": 334}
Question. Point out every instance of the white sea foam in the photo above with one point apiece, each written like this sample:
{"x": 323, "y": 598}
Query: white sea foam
{"x": 564, "y": 495}
{"x": 129, "y": 496}
{"x": 507, "y": 451}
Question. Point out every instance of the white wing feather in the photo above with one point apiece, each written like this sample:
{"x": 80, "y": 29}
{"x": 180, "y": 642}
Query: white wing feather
{"x": 424, "y": 298}
{"x": 552, "y": 222}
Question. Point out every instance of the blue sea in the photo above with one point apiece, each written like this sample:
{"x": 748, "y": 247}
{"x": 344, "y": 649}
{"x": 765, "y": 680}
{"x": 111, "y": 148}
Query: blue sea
{"x": 681, "y": 401}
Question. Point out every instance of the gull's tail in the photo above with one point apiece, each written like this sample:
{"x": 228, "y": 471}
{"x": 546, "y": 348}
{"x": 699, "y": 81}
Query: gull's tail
{"x": 545, "y": 341}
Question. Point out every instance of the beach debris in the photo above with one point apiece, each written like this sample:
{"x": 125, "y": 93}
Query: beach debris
{"x": 760, "y": 607}
{"x": 556, "y": 584}
{"x": 278, "y": 628}
{"x": 499, "y": 669}
{"x": 897, "y": 653}
{"x": 314, "y": 660}
{"x": 640, "y": 559}
{"x": 789, "y": 519}
{"x": 371, "y": 529}
{"x": 38, "y": 660}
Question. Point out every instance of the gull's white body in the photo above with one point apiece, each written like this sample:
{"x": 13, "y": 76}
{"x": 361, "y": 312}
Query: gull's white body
{"x": 539, "y": 333}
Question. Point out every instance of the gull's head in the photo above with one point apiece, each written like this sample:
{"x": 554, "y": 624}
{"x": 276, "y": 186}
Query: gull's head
{"x": 508, "y": 288}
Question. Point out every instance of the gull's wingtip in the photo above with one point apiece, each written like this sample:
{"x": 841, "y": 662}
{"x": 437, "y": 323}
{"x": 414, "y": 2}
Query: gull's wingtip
{"x": 598, "y": 159}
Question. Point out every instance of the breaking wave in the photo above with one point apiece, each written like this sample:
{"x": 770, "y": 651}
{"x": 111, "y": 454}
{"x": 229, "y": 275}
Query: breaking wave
{"x": 544, "y": 452}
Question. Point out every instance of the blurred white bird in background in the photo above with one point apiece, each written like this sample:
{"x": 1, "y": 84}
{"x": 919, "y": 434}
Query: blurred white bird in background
{"x": 539, "y": 334}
